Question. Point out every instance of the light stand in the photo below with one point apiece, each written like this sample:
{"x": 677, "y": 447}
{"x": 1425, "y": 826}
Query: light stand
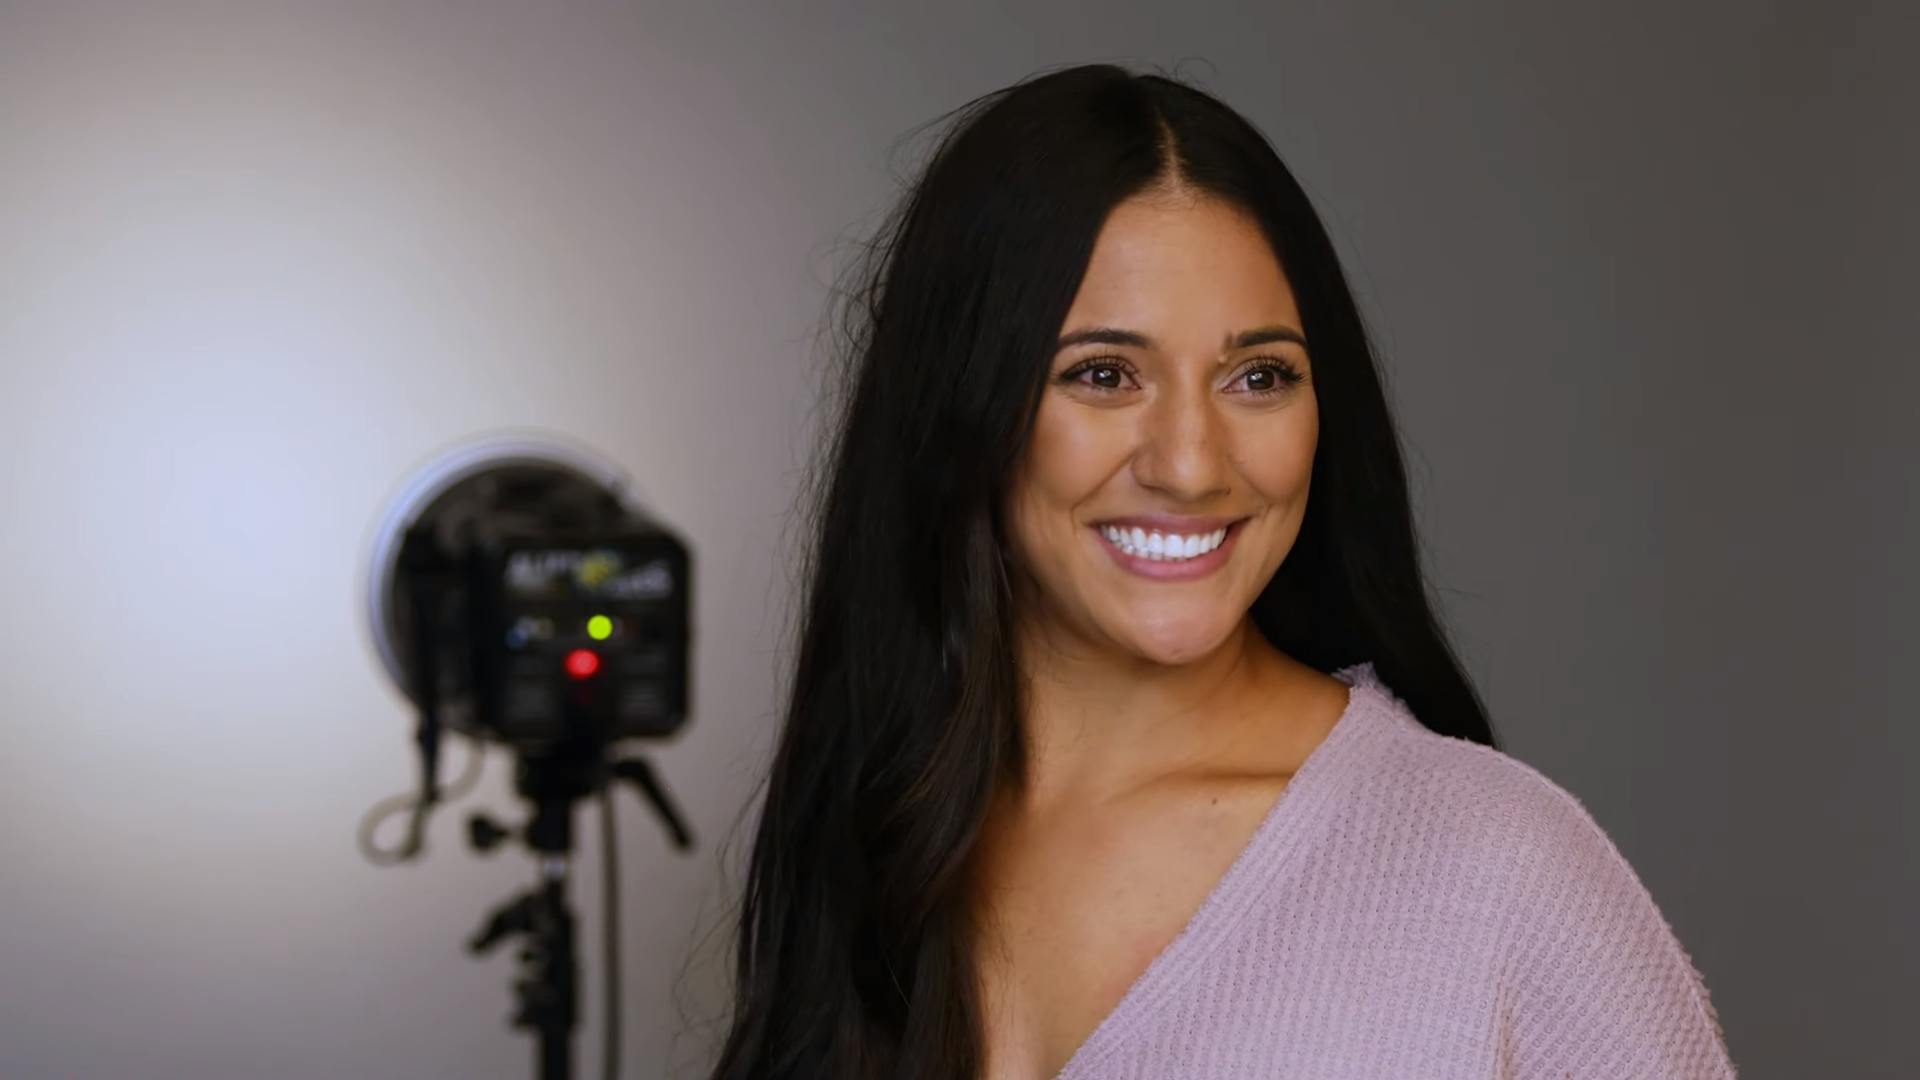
{"x": 552, "y": 780}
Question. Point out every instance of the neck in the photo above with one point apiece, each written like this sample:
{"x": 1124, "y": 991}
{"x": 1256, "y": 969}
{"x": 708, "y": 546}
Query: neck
{"x": 1099, "y": 723}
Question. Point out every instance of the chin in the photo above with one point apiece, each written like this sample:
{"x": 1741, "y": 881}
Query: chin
{"x": 1182, "y": 643}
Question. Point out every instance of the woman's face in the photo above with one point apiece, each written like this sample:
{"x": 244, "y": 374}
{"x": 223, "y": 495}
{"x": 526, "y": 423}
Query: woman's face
{"x": 1180, "y": 403}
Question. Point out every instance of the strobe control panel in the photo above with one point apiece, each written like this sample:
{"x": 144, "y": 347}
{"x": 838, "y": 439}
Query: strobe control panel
{"x": 589, "y": 638}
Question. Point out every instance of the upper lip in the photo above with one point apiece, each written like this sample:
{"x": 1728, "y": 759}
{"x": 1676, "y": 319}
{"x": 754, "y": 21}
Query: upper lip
{"x": 1172, "y": 523}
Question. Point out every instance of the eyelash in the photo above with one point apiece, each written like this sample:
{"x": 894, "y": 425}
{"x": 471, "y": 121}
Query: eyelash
{"x": 1284, "y": 371}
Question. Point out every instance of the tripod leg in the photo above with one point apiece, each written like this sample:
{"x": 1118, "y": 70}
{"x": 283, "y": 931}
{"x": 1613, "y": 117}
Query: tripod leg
{"x": 640, "y": 773}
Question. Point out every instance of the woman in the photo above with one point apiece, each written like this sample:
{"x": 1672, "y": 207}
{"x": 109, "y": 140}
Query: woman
{"x": 1123, "y": 742}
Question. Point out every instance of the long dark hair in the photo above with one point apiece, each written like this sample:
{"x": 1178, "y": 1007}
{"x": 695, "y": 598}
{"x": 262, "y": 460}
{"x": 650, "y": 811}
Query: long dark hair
{"x": 852, "y": 954}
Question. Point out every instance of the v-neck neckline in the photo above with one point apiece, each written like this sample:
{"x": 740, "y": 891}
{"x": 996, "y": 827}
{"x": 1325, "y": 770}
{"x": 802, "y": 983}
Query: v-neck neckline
{"x": 1276, "y": 837}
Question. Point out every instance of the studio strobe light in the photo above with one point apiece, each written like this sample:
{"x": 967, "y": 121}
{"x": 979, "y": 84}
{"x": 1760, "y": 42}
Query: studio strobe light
{"x": 518, "y": 593}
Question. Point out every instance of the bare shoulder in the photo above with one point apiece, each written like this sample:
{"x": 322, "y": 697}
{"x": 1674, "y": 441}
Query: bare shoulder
{"x": 1294, "y": 720}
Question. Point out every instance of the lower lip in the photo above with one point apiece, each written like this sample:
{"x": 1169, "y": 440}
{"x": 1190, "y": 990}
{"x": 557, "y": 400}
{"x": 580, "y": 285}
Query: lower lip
{"x": 1168, "y": 570}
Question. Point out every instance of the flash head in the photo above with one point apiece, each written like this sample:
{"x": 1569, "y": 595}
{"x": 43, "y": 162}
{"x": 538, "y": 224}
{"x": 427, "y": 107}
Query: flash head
{"x": 518, "y": 589}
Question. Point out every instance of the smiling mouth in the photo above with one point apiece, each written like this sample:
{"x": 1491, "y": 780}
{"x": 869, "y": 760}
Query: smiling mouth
{"x": 1168, "y": 548}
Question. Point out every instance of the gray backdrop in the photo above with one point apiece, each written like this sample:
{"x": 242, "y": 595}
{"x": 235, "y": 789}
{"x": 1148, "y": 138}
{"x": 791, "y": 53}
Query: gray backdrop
{"x": 1642, "y": 275}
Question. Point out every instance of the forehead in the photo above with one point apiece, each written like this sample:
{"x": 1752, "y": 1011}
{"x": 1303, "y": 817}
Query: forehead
{"x": 1182, "y": 267}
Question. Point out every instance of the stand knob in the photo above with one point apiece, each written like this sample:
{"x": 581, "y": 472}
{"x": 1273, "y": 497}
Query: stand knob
{"x": 485, "y": 833}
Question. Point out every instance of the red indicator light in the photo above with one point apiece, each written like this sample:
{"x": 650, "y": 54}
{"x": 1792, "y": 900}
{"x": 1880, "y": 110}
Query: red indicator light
{"x": 582, "y": 663}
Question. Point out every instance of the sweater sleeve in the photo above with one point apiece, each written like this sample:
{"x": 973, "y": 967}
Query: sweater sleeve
{"x": 1596, "y": 984}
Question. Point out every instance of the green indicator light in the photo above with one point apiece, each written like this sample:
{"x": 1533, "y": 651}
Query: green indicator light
{"x": 599, "y": 628}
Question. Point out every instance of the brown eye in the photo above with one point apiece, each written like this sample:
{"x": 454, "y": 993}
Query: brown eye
{"x": 1272, "y": 376}
{"x": 1106, "y": 375}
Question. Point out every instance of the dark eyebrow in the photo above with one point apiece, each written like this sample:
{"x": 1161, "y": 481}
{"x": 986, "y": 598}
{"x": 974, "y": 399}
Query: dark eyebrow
{"x": 1107, "y": 335}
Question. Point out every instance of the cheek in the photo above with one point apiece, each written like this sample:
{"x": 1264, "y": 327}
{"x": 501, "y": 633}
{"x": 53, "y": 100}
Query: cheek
{"x": 1069, "y": 457}
{"x": 1277, "y": 458}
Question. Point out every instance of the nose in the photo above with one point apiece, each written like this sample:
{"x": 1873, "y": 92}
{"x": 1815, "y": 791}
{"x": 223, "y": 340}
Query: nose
{"x": 1183, "y": 446}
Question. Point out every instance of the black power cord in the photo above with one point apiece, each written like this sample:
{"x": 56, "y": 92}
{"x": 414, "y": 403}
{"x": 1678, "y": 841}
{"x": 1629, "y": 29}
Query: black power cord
{"x": 610, "y": 930}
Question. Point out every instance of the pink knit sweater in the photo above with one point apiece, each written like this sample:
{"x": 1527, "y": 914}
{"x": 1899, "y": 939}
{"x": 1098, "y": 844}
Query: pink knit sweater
{"x": 1416, "y": 907}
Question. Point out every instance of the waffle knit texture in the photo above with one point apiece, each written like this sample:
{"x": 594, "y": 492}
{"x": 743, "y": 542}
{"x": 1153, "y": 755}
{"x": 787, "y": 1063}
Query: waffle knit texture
{"x": 1422, "y": 907}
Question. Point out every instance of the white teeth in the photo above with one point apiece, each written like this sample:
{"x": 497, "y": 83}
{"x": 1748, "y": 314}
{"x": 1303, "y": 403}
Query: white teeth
{"x": 1162, "y": 548}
